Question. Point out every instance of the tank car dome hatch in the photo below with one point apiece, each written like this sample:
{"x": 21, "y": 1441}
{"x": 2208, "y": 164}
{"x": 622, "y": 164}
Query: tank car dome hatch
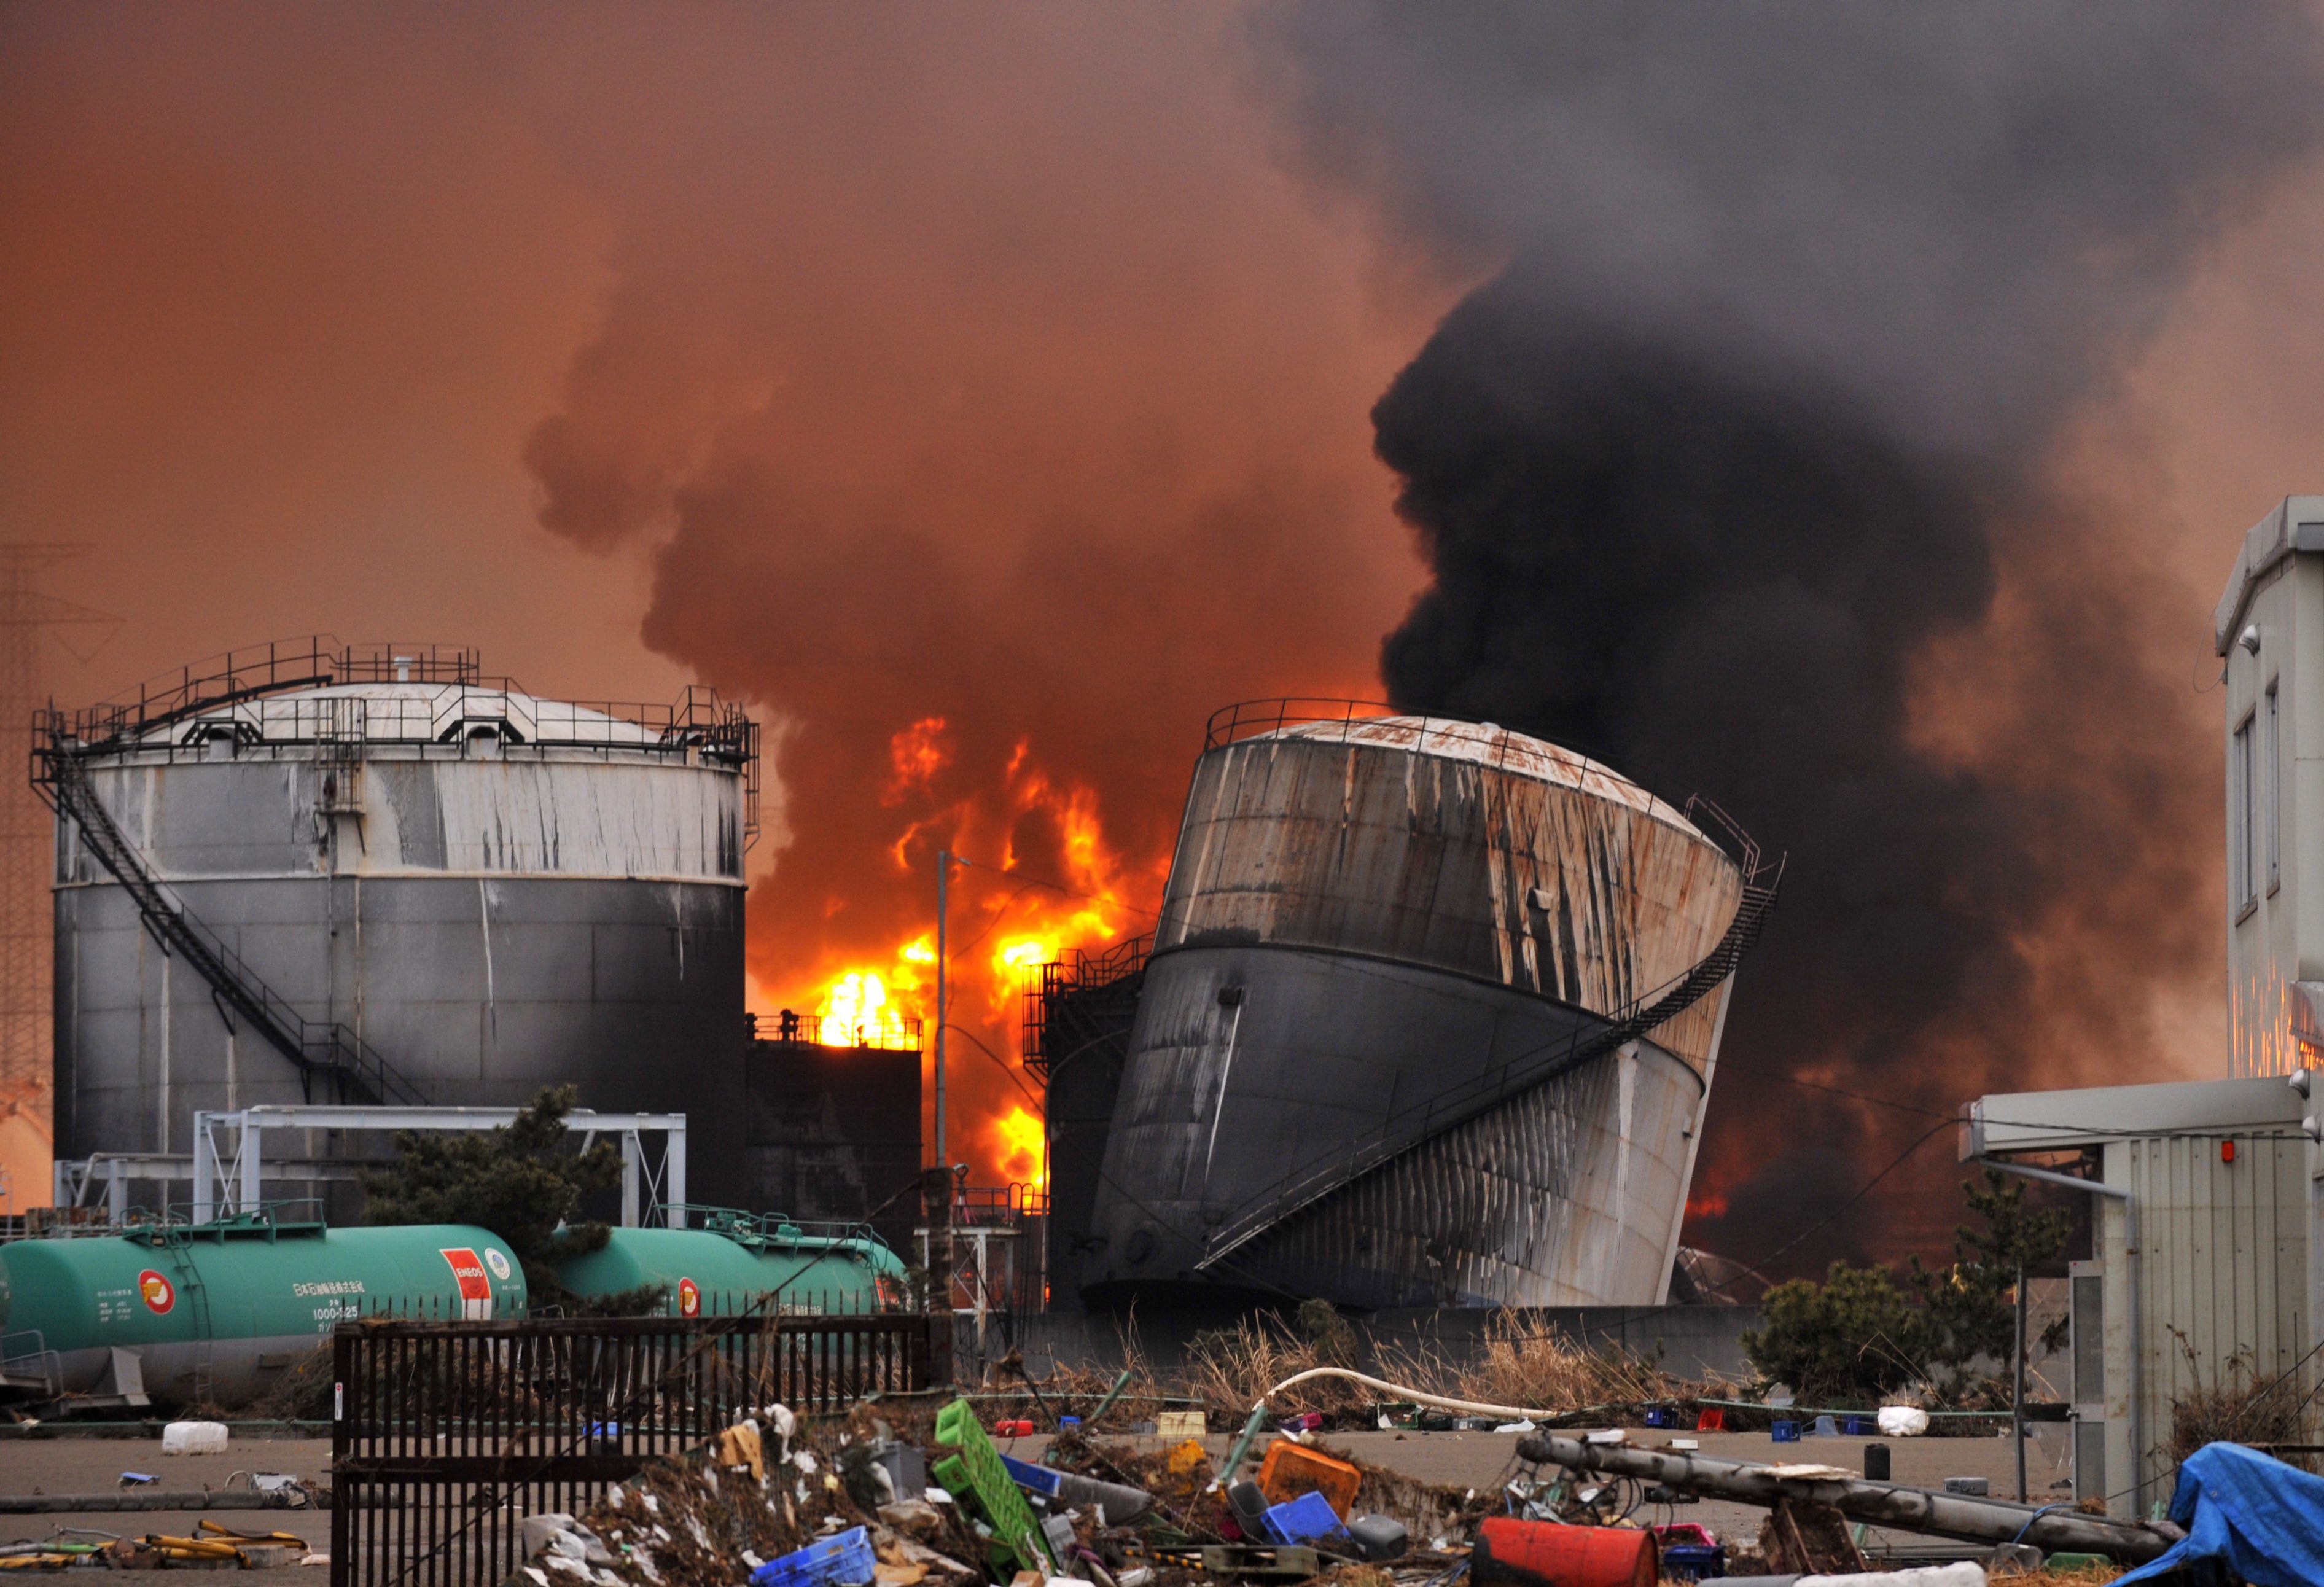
{"x": 310, "y": 872}
{"x": 1431, "y": 1019}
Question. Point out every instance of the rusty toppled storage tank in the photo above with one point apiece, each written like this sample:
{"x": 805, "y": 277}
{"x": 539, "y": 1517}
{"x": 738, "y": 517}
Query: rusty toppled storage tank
{"x": 1431, "y": 1019}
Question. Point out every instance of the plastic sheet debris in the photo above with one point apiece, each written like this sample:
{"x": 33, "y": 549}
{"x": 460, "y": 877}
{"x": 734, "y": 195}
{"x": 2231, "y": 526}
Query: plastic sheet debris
{"x": 2260, "y": 1517}
{"x": 739, "y": 1449}
{"x": 1975, "y": 1487}
{"x": 137, "y": 1478}
{"x": 194, "y": 1438}
{"x": 1903, "y": 1421}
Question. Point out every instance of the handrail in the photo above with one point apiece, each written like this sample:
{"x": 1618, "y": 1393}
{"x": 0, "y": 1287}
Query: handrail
{"x": 314, "y": 1047}
{"x": 1304, "y": 1185}
{"x": 698, "y": 722}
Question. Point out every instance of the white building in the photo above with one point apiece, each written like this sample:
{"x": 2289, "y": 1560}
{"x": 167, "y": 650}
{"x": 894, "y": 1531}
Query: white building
{"x": 2207, "y": 1259}
{"x": 2270, "y": 628}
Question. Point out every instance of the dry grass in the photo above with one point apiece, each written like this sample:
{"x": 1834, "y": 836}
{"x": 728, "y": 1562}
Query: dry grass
{"x": 2237, "y": 1406}
{"x": 1523, "y": 1364}
{"x": 1526, "y": 1364}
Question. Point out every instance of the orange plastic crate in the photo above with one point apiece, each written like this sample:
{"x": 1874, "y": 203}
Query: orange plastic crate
{"x": 1292, "y": 1469}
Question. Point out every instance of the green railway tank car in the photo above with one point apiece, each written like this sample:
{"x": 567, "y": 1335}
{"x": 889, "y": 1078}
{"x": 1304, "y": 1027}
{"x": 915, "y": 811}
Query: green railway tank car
{"x": 734, "y": 1258}
{"x": 213, "y": 1312}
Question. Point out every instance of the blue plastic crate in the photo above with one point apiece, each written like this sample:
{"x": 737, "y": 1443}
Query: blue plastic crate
{"x": 1785, "y": 1432}
{"x": 1303, "y": 1519}
{"x": 845, "y": 1559}
{"x": 1690, "y": 1562}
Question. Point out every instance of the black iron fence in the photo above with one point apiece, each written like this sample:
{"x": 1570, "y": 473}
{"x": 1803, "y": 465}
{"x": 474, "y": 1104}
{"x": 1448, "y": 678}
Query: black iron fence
{"x": 446, "y": 1434}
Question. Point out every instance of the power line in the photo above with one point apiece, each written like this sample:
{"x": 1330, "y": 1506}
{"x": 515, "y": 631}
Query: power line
{"x": 1862, "y": 1191}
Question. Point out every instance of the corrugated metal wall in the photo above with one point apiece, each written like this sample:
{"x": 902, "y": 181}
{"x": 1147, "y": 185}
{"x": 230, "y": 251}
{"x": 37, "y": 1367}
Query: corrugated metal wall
{"x": 2223, "y": 1265}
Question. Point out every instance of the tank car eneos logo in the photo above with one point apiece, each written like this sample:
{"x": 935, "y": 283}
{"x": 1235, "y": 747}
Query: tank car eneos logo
{"x": 475, "y": 1289}
{"x": 157, "y": 1291}
{"x": 498, "y": 1263}
{"x": 689, "y": 1299}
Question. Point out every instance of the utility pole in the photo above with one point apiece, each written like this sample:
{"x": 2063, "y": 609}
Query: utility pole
{"x": 944, "y": 877}
{"x": 2018, "y": 1386}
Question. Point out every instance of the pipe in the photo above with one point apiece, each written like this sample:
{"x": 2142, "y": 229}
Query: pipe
{"x": 2131, "y": 1255}
{"x": 1912, "y": 1509}
{"x": 40, "y": 1504}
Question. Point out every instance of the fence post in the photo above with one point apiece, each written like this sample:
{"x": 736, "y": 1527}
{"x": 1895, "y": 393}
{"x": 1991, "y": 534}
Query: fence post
{"x": 343, "y": 1497}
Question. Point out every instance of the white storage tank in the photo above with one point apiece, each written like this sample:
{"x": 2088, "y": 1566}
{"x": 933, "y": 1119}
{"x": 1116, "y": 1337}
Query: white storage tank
{"x": 381, "y": 876}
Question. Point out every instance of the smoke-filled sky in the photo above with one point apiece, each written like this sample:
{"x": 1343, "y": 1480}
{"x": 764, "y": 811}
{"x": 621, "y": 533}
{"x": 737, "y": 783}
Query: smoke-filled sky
{"x": 1848, "y": 413}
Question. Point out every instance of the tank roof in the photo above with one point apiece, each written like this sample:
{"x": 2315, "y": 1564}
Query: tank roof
{"x": 317, "y": 690}
{"x": 1445, "y": 738}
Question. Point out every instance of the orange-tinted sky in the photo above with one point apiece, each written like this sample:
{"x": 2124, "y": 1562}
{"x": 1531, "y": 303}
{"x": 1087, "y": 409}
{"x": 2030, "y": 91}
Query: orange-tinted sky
{"x": 884, "y": 367}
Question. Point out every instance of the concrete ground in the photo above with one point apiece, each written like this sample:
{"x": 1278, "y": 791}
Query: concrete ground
{"x": 72, "y": 1463}
{"x": 75, "y": 1464}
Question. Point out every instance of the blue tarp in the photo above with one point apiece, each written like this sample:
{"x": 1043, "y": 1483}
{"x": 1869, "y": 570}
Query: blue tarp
{"x": 2263, "y": 1519}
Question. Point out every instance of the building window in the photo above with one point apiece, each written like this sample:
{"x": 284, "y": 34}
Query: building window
{"x": 2271, "y": 790}
{"x": 2241, "y": 893}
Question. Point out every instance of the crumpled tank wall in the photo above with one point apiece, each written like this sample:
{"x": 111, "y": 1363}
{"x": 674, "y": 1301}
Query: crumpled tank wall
{"x": 1361, "y": 917}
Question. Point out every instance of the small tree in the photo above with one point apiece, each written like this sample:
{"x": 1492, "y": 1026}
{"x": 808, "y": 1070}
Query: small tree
{"x": 1854, "y": 1338}
{"x": 1968, "y": 1306}
{"x": 1861, "y": 1334}
{"x": 521, "y": 1181}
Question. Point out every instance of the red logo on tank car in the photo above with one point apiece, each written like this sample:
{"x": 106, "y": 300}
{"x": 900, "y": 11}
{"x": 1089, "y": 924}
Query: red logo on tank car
{"x": 157, "y": 1291}
{"x": 689, "y": 1299}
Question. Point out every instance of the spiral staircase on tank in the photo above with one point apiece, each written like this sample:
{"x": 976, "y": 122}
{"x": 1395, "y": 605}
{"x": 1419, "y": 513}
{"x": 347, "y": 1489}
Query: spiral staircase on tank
{"x": 1306, "y": 1184}
{"x": 348, "y": 1067}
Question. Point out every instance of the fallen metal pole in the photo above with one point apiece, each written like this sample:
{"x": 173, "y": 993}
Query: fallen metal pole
{"x": 1882, "y": 1504}
{"x": 44, "y": 1504}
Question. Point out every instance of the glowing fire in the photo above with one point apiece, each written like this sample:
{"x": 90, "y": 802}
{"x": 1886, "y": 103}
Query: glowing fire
{"x": 917, "y": 753}
{"x": 1021, "y": 1146}
{"x": 856, "y": 1011}
{"x": 1038, "y": 881}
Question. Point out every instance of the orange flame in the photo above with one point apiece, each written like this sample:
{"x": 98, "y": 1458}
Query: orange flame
{"x": 1022, "y": 1148}
{"x": 1002, "y": 930}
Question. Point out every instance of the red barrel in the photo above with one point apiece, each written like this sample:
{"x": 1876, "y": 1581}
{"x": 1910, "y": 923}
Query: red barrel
{"x": 1511, "y": 1553}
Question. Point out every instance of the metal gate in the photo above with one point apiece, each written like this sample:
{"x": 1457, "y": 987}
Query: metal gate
{"x": 445, "y": 1434}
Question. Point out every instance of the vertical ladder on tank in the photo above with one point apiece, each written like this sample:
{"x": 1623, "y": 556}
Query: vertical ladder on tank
{"x": 197, "y": 1297}
{"x": 319, "y": 1049}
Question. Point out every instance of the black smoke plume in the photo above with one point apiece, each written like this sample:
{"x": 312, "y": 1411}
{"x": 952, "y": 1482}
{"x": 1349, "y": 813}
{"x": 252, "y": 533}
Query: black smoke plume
{"x": 1744, "y": 436}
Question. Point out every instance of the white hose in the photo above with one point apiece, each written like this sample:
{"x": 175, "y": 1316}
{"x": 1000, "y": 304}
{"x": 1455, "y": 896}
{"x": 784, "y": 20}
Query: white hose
{"x": 1507, "y": 1412}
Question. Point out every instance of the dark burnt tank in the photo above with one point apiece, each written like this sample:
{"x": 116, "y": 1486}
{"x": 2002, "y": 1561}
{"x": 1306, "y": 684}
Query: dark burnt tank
{"x": 1431, "y": 1019}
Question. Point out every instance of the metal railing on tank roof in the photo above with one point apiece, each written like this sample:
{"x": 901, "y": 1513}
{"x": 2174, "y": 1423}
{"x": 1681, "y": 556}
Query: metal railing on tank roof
{"x": 229, "y": 697}
{"x": 1249, "y": 719}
